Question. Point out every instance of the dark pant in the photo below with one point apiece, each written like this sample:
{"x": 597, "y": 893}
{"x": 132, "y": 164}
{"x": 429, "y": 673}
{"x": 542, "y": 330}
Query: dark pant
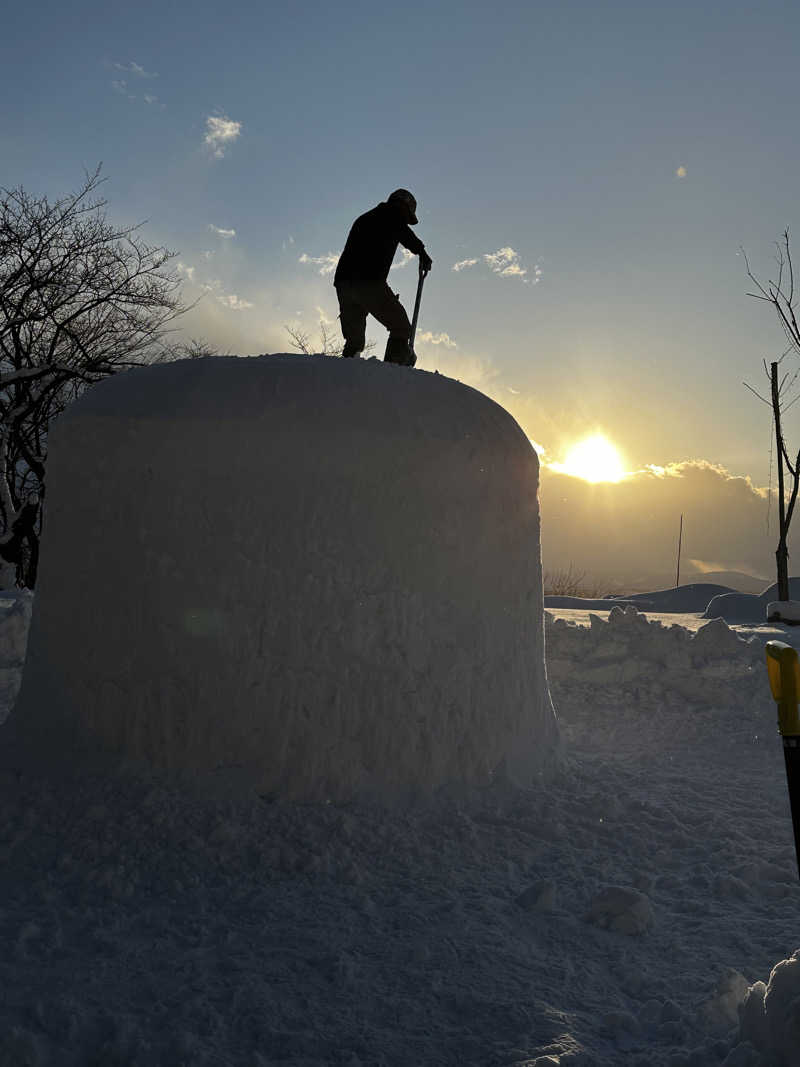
{"x": 358, "y": 299}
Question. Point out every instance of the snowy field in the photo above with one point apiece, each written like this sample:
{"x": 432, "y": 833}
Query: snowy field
{"x": 615, "y": 916}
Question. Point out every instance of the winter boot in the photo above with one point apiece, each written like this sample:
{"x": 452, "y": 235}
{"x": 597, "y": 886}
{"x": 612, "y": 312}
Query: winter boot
{"x": 399, "y": 351}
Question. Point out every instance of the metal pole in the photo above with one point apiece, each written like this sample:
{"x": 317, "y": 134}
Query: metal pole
{"x": 680, "y": 538}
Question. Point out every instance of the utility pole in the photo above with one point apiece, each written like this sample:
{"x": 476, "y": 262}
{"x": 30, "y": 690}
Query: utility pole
{"x": 680, "y": 539}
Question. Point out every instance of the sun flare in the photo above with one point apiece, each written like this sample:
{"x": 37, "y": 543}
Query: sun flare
{"x": 594, "y": 459}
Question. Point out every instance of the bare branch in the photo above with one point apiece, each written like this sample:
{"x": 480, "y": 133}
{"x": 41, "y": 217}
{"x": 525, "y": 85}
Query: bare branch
{"x": 80, "y": 299}
{"x": 760, "y": 397}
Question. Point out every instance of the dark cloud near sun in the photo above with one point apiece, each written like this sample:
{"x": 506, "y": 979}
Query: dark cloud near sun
{"x": 627, "y": 531}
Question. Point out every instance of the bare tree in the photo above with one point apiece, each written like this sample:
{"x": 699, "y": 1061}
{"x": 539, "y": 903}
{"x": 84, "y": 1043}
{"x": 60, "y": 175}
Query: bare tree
{"x": 194, "y": 348}
{"x": 80, "y": 299}
{"x": 328, "y": 345}
{"x": 780, "y": 294}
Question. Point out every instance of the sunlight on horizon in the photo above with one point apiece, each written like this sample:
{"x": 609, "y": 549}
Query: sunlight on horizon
{"x": 595, "y": 459}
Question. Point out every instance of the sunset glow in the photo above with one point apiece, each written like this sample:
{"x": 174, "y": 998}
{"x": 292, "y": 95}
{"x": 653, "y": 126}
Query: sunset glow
{"x": 595, "y": 459}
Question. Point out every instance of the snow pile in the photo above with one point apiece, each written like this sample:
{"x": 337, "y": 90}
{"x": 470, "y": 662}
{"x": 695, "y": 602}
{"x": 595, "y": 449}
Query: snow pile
{"x": 322, "y": 573}
{"x": 645, "y": 668}
{"x": 749, "y": 607}
{"x": 770, "y": 1019}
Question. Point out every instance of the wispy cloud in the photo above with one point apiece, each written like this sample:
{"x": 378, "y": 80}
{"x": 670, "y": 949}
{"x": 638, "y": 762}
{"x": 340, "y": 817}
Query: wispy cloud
{"x": 135, "y": 69}
{"x": 288, "y": 242}
{"x": 234, "y": 302}
{"x": 437, "y": 339}
{"x": 119, "y": 85}
{"x": 505, "y": 262}
{"x": 404, "y": 260}
{"x": 221, "y": 132}
{"x": 326, "y": 264}
{"x": 215, "y": 288}
{"x": 228, "y": 300}
{"x": 150, "y": 99}
{"x": 225, "y": 234}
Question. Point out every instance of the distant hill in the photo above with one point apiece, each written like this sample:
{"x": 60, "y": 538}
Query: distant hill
{"x": 741, "y": 583}
{"x": 646, "y": 583}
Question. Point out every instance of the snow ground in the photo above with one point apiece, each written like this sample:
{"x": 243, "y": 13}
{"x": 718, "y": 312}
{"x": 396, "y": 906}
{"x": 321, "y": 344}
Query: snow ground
{"x": 149, "y": 921}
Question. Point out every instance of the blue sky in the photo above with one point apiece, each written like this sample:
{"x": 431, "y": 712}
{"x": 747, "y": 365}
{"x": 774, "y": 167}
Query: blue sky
{"x": 621, "y": 151}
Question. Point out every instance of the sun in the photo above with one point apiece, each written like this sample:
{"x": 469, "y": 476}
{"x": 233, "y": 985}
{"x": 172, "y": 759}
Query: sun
{"x": 594, "y": 459}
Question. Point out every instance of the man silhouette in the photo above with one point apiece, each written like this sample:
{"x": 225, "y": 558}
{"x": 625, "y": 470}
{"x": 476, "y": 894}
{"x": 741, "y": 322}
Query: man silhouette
{"x": 362, "y": 271}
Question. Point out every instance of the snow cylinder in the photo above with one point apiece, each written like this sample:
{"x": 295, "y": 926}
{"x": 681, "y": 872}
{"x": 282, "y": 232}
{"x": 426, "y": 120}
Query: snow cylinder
{"x": 322, "y": 573}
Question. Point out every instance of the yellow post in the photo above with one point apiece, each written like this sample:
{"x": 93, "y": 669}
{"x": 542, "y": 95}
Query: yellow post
{"x": 784, "y": 681}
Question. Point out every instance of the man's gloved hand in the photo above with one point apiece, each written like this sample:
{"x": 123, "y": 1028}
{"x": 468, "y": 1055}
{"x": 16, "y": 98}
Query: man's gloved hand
{"x": 425, "y": 261}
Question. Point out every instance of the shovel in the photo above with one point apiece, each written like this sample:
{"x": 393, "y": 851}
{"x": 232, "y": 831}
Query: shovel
{"x": 422, "y": 274}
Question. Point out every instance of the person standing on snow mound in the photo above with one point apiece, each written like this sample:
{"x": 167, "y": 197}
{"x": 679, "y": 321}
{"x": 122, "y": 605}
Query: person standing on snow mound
{"x": 361, "y": 274}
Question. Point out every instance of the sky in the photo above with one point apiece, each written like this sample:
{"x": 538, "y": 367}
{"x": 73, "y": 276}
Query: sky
{"x": 587, "y": 175}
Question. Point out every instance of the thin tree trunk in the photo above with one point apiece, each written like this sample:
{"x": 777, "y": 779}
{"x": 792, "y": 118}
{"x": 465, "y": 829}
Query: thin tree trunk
{"x": 782, "y": 551}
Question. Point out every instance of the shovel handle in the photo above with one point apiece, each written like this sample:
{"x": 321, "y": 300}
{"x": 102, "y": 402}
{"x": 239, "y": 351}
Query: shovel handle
{"x": 422, "y": 274}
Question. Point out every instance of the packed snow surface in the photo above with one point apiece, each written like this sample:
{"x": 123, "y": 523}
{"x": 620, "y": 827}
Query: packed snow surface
{"x": 322, "y": 573}
{"x": 641, "y": 909}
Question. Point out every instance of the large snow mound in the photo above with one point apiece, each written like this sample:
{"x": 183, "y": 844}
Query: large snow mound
{"x": 324, "y": 574}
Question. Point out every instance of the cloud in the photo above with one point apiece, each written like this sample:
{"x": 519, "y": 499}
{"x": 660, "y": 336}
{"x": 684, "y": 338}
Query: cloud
{"x": 221, "y": 132}
{"x": 505, "y": 262}
{"x": 226, "y": 234}
{"x": 135, "y": 69}
{"x": 680, "y": 172}
{"x": 150, "y": 99}
{"x": 627, "y": 532}
{"x": 228, "y": 300}
{"x": 287, "y": 243}
{"x": 234, "y": 302}
{"x": 437, "y": 339}
{"x": 215, "y": 288}
{"x": 404, "y": 260}
{"x": 121, "y": 87}
{"x": 326, "y": 264}
{"x": 540, "y": 450}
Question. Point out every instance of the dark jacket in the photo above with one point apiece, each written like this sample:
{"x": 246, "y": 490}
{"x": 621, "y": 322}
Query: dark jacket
{"x": 372, "y": 244}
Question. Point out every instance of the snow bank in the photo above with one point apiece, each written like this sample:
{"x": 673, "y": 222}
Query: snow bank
{"x": 681, "y": 600}
{"x": 770, "y": 1018}
{"x": 748, "y": 607}
{"x": 633, "y": 661}
{"x": 324, "y": 574}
